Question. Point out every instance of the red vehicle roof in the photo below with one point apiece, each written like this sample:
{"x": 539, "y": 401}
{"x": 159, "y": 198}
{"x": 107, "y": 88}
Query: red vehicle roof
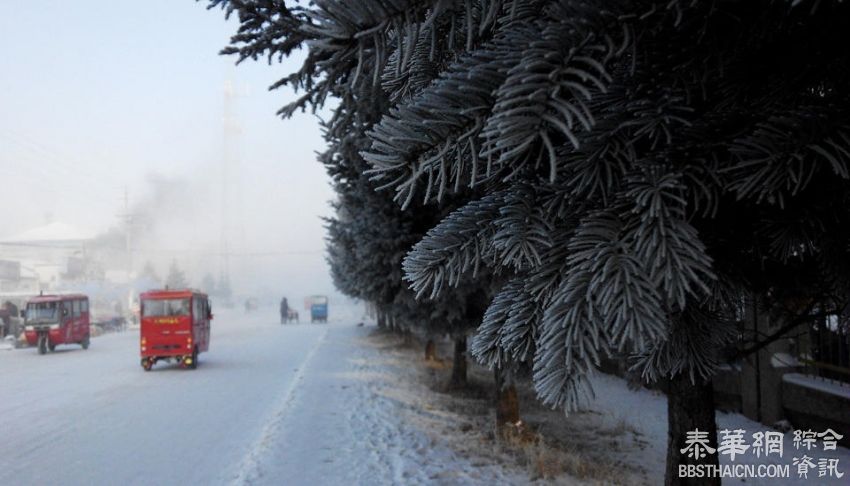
{"x": 170, "y": 294}
{"x": 56, "y": 298}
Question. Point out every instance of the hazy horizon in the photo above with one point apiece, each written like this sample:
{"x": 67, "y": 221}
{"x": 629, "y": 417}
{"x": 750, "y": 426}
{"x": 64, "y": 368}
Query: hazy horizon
{"x": 111, "y": 98}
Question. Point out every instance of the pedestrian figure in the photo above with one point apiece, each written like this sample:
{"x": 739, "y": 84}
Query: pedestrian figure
{"x": 284, "y": 310}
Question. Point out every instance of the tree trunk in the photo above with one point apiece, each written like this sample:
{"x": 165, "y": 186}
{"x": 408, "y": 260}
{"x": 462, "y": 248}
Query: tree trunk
{"x": 430, "y": 350}
{"x": 458, "y": 379}
{"x": 507, "y": 401}
{"x": 382, "y": 322}
{"x": 689, "y": 407}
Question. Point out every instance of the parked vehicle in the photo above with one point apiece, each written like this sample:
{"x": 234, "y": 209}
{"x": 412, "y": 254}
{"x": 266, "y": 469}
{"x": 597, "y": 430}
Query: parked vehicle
{"x": 111, "y": 324}
{"x": 319, "y": 308}
{"x": 51, "y": 320}
{"x": 175, "y": 327}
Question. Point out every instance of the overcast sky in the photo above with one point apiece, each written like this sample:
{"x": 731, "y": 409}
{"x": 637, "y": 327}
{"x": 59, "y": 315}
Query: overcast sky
{"x": 100, "y": 95}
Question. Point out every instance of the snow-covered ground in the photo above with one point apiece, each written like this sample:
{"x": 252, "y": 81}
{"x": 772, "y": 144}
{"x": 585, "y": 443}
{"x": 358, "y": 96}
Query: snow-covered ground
{"x": 644, "y": 413}
{"x": 268, "y": 404}
{"x": 302, "y": 404}
{"x": 619, "y": 438}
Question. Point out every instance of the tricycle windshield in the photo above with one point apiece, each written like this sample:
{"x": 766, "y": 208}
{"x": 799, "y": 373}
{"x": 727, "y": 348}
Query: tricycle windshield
{"x": 165, "y": 307}
{"x": 43, "y": 311}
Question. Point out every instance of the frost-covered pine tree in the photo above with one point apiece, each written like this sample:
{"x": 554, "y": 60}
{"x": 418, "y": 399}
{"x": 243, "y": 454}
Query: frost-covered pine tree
{"x": 370, "y": 235}
{"x": 149, "y": 273}
{"x": 639, "y": 167}
{"x": 208, "y": 284}
{"x": 175, "y": 279}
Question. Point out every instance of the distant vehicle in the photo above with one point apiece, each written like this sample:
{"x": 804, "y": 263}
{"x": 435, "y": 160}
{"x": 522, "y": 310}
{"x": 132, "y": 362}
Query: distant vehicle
{"x": 175, "y": 326}
{"x": 50, "y": 320}
{"x": 111, "y": 324}
{"x": 108, "y": 315}
{"x": 319, "y": 308}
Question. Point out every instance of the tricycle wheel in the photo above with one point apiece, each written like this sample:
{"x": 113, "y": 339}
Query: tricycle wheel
{"x": 42, "y": 344}
{"x": 51, "y": 347}
{"x": 194, "y": 364}
{"x": 147, "y": 364}
{"x": 86, "y": 342}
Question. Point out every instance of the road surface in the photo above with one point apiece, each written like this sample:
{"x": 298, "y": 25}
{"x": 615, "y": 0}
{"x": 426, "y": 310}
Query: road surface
{"x": 269, "y": 404}
{"x": 95, "y": 417}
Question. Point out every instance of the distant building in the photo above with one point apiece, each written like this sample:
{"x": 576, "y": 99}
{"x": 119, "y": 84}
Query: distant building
{"x": 39, "y": 258}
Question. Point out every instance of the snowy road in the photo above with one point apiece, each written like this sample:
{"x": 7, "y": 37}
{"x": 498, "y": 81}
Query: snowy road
{"x": 269, "y": 404}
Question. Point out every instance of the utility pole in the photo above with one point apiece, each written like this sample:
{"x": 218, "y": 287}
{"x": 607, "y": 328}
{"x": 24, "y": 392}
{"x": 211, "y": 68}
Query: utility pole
{"x": 127, "y": 218}
{"x": 232, "y": 130}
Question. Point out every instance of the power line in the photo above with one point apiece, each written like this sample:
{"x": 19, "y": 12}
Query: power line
{"x": 161, "y": 251}
{"x": 43, "y": 158}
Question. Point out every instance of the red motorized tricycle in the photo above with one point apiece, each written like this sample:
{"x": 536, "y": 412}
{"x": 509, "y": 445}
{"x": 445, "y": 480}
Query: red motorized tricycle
{"x": 175, "y": 326}
{"x": 50, "y": 320}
